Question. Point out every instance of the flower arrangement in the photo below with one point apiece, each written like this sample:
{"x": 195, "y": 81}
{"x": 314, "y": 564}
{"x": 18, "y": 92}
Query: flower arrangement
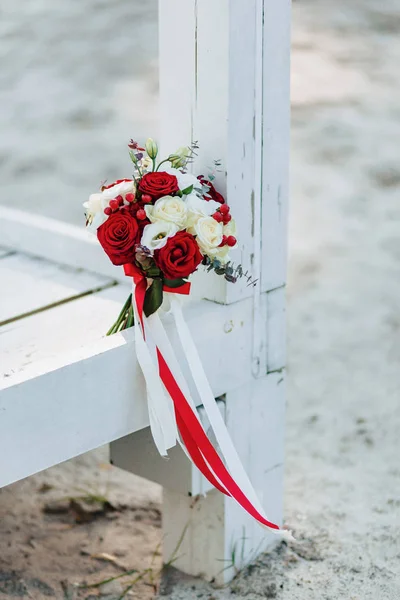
{"x": 165, "y": 221}
{"x": 161, "y": 225}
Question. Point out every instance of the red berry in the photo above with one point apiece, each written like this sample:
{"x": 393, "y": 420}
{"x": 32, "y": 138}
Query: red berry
{"x": 146, "y": 198}
{"x": 217, "y": 216}
{"x": 130, "y": 197}
{"x": 224, "y": 238}
{"x": 141, "y": 214}
{"x": 114, "y": 204}
{"x": 107, "y": 210}
{"x": 224, "y": 209}
{"x": 227, "y": 218}
{"x": 231, "y": 241}
{"x": 120, "y": 200}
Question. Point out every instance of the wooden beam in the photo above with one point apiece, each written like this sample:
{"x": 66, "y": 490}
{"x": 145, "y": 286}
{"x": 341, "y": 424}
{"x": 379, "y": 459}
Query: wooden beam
{"x": 68, "y": 403}
{"x": 54, "y": 240}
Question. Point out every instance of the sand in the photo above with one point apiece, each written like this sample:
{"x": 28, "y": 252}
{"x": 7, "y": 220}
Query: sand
{"x": 342, "y": 487}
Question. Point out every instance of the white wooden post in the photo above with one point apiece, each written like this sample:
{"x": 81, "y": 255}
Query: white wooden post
{"x": 224, "y": 77}
{"x": 224, "y": 82}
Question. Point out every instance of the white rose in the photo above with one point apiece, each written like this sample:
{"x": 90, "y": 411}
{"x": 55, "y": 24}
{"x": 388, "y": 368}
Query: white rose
{"x": 221, "y": 253}
{"x": 155, "y": 235}
{"x": 197, "y": 208}
{"x": 119, "y": 189}
{"x": 185, "y": 180}
{"x": 171, "y": 209}
{"x": 209, "y": 234}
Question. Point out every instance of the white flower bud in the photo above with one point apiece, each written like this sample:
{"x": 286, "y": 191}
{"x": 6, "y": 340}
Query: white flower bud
{"x": 151, "y": 148}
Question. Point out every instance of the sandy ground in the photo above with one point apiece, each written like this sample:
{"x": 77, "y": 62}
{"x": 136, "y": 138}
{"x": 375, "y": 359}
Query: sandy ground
{"x": 342, "y": 454}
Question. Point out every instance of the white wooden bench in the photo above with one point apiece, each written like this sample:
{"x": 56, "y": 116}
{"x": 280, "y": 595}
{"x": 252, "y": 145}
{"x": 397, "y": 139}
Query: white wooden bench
{"x": 66, "y": 389}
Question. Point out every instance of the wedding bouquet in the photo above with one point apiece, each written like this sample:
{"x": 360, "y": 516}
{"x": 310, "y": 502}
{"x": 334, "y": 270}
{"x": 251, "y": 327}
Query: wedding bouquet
{"x": 161, "y": 225}
{"x": 165, "y": 222}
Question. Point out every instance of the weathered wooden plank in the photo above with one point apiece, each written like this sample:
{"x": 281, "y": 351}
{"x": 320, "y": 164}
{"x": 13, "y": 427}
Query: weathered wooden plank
{"x": 66, "y": 403}
{"x": 276, "y": 140}
{"x": 176, "y": 116}
{"x": 29, "y": 284}
{"x": 50, "y": 335}
{"x": 239, "y": 114}
{"x": 54, "y": 240}
{"x": 5, "y": 252}
{"x": 276, "y": 327}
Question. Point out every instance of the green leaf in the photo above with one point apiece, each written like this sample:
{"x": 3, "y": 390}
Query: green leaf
{"x": 132, "y": 157}
{"x": 153, "y": 298}
{"x": 153, "y": 271}
{"x": 187, "y": 190}
{"x": 174, "y": 283}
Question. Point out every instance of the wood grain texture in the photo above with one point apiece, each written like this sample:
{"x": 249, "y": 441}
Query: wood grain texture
{"x": 49, "y": 336}
{"x": 54, "y": 240}
{"x": 239, "y": 95}
{"x": 30, "y": 284}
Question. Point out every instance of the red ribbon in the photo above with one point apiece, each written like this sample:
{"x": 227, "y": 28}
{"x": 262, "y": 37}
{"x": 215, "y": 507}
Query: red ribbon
{"x": 197, "y": 444}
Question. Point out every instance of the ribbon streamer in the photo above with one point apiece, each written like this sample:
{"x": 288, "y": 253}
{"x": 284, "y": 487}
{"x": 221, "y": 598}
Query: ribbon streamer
{"x": 228, "y": 477}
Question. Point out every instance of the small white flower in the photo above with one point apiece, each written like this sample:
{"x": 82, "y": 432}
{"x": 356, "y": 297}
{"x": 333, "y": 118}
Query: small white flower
{"x": 119, "y": 189}
{"x": 197, "y": 208}
{"x": 94, "y": 211}
{"x": 179, "y": 158}
{"x": 146, "y": 163}
{"x": 185, "y": 180}
{"x": 155, "y": 235}
{"x": 94, "y": 207}
{"x": 171, "y": 209}
{"x": 209, "y": 234}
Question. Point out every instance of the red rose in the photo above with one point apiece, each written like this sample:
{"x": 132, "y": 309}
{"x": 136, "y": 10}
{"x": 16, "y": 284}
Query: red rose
{"x": 179, "y": 257}
{"x": 119, "y": 236}
{"x": 158, "y": 184}
{"x": 212, "y": 193}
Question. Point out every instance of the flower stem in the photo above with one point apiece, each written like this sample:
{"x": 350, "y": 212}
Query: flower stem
{"x": 162, "y": 162}
{"x": 123, "y": 317}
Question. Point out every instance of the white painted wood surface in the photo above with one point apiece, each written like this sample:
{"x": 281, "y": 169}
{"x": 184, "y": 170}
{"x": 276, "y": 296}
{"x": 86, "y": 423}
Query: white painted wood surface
{"x": 54, "y": 240}
{"x": 57, "y": 397}
{"x": 137, "y": 453}
{"x": 29, "y": 284}
{"x": 231, "y": 95}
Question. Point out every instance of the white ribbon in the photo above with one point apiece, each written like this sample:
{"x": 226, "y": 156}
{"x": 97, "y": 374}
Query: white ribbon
{"x": 161, "y": 411}
{"x": 206, "y": 395}
{"x": 161, "y": 339}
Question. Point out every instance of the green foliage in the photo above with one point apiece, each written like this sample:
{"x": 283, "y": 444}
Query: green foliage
{"x": 153, "y": 298}
{"x": 229, "y": 271}
{"x": 187, "y": 190}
